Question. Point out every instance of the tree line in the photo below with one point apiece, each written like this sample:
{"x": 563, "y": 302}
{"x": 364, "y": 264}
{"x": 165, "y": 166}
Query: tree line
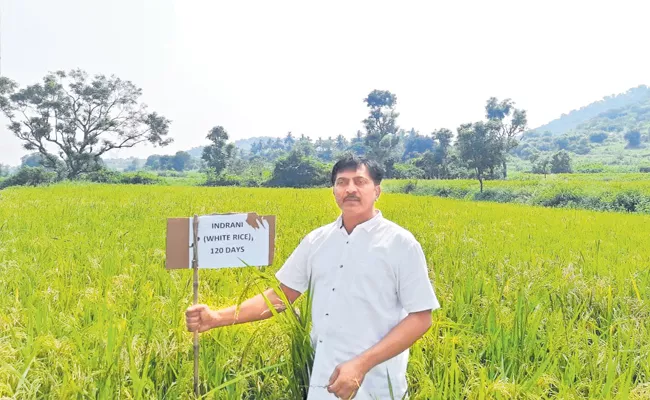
{"x": 71, "y": 120}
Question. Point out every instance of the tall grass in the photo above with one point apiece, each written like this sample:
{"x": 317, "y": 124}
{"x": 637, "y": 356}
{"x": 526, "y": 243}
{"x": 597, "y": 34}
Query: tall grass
{"x": 536, "y": 302}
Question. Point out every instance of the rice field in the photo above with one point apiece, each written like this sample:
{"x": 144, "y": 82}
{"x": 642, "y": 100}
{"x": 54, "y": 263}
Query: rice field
{"x": 624, "y": 192}
{"x": 536, "y": 302}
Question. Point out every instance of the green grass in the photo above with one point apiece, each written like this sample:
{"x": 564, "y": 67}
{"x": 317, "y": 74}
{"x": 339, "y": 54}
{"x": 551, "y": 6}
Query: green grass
{"x": 190, "y": 178}
{"x": 536, "y": 302}
{"x": 600, "y": 192}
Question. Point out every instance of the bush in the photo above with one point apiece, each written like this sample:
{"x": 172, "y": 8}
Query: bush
{"x": 410, "y": 187}
{"x": 598, "y": 137}
{"x": 644, "y": 169}
{"x": 139, "y": 178}
{"x": 561, "y": 198}
{"x": 633, "y": 138}
{"x": 115, "y": 177}
{"x": 29, "y": 176}
{"x": 497, "y": 195}
{"x": 629, "y": 201}
{"x": 297, "y": 170}
{"x": 101, "y": 176}
{"x": 223, "y": 180}
{"x": 561, "y": 163}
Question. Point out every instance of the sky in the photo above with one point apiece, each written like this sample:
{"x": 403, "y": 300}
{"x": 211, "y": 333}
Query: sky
{"x": 261, "y": 68}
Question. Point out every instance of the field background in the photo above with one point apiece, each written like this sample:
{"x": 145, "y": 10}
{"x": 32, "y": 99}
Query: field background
{"x": 536, "y": 302}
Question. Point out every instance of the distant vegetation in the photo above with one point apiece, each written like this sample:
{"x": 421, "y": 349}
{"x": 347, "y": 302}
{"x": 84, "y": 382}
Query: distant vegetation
{"x": 610, "y": 135}
{"x": 570, "y": 121}
{"x": 615, "y": 131}
{"x": 599, "y": 192}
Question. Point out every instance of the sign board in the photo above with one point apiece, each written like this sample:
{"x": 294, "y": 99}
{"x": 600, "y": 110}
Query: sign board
{"x": 224, "y": 241}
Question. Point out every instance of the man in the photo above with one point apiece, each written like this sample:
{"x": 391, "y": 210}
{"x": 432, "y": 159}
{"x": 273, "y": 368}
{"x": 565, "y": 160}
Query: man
{"x": 371, "y": 294}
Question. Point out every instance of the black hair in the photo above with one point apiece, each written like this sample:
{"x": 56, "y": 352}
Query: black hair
{"x": 352, "y": 162}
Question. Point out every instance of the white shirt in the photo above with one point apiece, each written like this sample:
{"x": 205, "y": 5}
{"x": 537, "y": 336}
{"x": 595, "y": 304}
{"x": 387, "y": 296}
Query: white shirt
{"x": 362, "y": 285}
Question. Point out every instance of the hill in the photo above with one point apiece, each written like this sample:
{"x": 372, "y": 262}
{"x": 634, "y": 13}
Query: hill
{"x": 569, "y": 121}
{"x": 618, "y": 135}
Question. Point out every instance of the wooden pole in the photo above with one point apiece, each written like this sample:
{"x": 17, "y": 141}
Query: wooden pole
{"x": 195, "y": 267}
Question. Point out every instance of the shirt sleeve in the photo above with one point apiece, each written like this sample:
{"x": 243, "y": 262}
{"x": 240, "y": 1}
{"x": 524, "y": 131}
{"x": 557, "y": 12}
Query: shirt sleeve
{"x": 294, "y": 273}
{"x": 414, "y": 287}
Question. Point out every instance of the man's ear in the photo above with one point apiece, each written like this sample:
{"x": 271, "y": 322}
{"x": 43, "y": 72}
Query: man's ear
{"x": 377, "y": 191}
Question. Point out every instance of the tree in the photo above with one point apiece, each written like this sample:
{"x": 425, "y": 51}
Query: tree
{"x": 540, "y": 164}
{"x": 480, "y": 147}
{"x": 305, "y": 146}
{"x": 32, "y": 160}
{"x": 182, "y": 161}
{"x": 598, "y": 137}
{"x": 74, "y": 120}
{"x": 408, "y": 171}
{"x": 257, "y": 147}
{"x": 416, "y": 144}
{"x": 358, "y": 138}
{"x": 561, "y": 162}
{"x": 166, "y": 163}
{"x": 289, "y": 141}
{"x": 512, "y": 122}
{"x": 562, "y": 142}
{"x": 341, "y": 143}
{"x": 358, "y": 148}
{"x": 442, "y": 138}
{"x": 324, "y": 149}
{"x": 153, "y": 162}
{"x": 237, "y": 164}
{"x": 298, "y": 170}
{"x": 217, "y": 154}
{"x": 633, "y": 138}
{"x": 427, "y": 163}
{"x": 133, "y": 166}
{"x": 381, "y": 129}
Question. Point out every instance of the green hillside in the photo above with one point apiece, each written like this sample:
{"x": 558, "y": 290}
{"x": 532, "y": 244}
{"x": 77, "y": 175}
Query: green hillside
{"x": 617, "y": 136}
{"x": 575, "y": 118}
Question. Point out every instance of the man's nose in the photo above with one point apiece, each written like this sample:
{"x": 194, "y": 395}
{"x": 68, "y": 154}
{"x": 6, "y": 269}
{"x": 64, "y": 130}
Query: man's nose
{"x": 351, "y": 188}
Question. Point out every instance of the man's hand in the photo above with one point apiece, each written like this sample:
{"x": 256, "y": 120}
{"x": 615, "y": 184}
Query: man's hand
{"x": 346, "y": 379}
{"x": 201, "y": 318}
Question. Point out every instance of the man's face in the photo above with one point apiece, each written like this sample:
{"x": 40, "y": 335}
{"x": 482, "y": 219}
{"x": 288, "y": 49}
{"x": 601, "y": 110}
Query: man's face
{"x": 355, "y": 191}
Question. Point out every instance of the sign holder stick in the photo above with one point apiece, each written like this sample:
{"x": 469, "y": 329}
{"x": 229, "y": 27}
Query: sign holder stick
{"x": 195, "y": 286}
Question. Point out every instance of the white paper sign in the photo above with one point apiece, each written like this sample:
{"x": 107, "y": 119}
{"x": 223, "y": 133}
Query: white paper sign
{"x": 233, "y": 240}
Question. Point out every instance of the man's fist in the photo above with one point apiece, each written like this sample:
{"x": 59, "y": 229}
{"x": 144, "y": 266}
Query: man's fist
{"x": 201, "y": 318}
{"x": 346, "y": 379}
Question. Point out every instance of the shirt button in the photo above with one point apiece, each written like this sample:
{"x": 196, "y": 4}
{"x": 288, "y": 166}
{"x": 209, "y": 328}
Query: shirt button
{"x": 333, "y": 289}
{"x": 327, "y": 314}
{"x": 341, "y": 266}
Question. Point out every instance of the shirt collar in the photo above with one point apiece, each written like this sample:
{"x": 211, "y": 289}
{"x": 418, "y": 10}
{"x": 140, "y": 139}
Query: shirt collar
{"x": 367, "y": 226}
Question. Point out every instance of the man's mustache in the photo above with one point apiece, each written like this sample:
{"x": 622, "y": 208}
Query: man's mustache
{"x": 351, "y": 198}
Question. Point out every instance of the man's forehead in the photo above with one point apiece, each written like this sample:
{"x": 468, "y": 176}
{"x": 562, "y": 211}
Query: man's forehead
{"x": 361, "y": 171}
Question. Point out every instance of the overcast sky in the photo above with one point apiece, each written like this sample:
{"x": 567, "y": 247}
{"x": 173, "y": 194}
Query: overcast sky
{"x": 265, "y": 68}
